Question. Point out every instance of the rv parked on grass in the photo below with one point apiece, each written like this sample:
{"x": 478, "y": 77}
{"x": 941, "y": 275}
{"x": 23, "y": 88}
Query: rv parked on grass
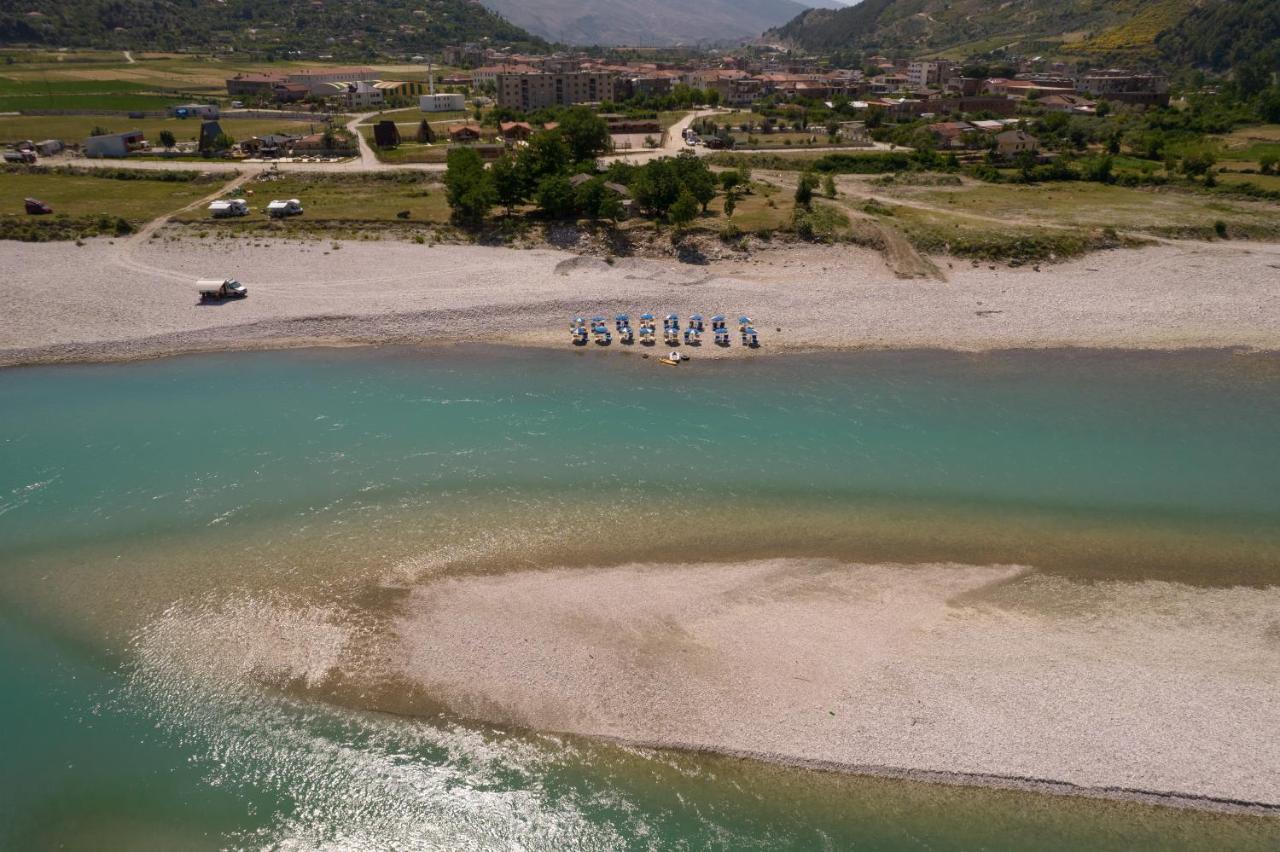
{"x": 228, "y": 208}
{"x": 279, "y": 209}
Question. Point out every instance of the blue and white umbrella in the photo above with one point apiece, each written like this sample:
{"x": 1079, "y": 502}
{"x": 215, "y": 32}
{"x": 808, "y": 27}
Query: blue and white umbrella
{"x": 646, "y": 316}
{"x": 622, "y": 318}
{"x": 744, "y": 320}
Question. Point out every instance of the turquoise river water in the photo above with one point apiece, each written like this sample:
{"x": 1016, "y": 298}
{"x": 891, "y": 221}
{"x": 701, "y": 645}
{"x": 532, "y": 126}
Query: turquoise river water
{"x": 133, "y": 492}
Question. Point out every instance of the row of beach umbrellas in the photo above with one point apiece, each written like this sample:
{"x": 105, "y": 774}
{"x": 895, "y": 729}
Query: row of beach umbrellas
{"x": 671, "y": 327}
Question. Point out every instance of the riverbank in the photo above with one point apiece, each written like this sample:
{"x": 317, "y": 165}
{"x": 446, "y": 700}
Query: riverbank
{"x": 135, "y": 298}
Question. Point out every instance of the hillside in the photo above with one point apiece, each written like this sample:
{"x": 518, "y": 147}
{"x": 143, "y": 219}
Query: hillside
{"x": 647, "y": 22}
{"x": 348, "y": 28}
{"x": 1209, "y": 33}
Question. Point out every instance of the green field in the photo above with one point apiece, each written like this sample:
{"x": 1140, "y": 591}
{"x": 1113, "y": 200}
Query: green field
{"x": 335, "y": 200}
{"x": 76, "y": 128}
{"x": 413, "y": 115}
{"x": 86, "y": 204}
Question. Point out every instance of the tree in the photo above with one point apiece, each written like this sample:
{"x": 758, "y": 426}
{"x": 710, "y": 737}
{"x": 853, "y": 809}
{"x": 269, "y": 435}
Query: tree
{"x": 556, "y": 196}
{"x": 509, "y": 185}
{"x": 223, "y": 142}
{"x": 804, "y": 189}
{"x": 694, "y": 175}
{"x": 1197, "y": 161}
{"x": 729, "y": 179}
{"x": 468, "y": 187}
{"x": 610, "y": 207}
{"x": 585, "y": 133}
{"x": 545, "y": 155}
{"x": 426, "y": 135}
{"x": 829, "y": 186}
{"x": 588, "y": 197}
{"x": 1267, "y": 163}
{"x": 684, "y": 210}
{"x": 730, "y": 204}
{"x": 167, "y": 139}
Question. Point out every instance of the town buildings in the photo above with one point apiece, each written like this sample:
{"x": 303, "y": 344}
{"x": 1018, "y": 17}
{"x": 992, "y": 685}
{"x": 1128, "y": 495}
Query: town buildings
{"x": 524, "y": 91}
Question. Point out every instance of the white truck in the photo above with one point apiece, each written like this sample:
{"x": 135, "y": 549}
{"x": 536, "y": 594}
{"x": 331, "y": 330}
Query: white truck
{"x": 220, "y": 289}
{"x": 279, "y": 209}
{"x": 229, "y": 207}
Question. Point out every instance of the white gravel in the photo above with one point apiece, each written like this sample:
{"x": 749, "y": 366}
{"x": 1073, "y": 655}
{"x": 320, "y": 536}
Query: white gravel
{"x": 125, "y": 299}
{"x": 1140, "y": 687}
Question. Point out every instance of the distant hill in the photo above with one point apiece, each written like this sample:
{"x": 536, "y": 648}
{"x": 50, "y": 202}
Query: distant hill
{"x": 1209, "y": 33}
{"x": 649, "y": 22}
{"x": 343, "y": 27}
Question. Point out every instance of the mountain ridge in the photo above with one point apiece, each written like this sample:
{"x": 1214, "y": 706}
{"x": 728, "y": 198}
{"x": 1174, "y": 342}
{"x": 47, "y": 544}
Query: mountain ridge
{"x": 1207, "y": 33}
{"x": 351, "y": 28}
{"x": 648, "y": 22}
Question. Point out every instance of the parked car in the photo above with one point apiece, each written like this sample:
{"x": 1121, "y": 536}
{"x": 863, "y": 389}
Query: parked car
{"x": 214, "y": 290}
{"x": 36, "y": 207}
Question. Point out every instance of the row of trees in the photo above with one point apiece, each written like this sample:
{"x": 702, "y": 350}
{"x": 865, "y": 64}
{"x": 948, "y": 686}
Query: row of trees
{"x": 548, "y": 173}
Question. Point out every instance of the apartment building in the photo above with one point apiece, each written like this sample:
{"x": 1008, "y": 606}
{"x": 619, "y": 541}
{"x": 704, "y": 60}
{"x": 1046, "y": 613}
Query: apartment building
{"x": 538, "y": 91}
{"x": 921, "y": 74}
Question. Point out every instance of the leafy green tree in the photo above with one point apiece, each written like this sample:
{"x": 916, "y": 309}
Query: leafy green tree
{"x": 610, "y": 207}
{"x": 167, "y": 138}
{"x": 589, "y": 197}
{"x": 468, "y": 187}
{"x": 693, "y": 174}
{"x": 684, "y": 210}
{"x": 223, "y": 142}
{"x": 804, "y": 189}
{"x": 829, "y": 186}
{"x": 1197, "y": 161}
{"x": 584, "y": 132}
{"x": 508, "y": 182}
{"x": 730, "y": 179}
{"x": 730, "y": 204}
{"x": 544, "y": 156}
{"x": 556, "y": 196}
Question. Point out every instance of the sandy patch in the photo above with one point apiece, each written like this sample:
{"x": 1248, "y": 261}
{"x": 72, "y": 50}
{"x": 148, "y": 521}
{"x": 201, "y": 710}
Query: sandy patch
{"x": 1150, "y": 687}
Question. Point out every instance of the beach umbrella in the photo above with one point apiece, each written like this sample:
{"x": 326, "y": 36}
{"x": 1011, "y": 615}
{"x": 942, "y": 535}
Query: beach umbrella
{"x": 697, "y": 317}
{"x": 744, "y": 320}
{"x": 672, "y": 317}
{"x": 646, "y": 316}
{"x": 718, "y": 318}
{"x": 597, "y": 319}
{"x": 622, "y": 318}
{"x": 578, "y": 321}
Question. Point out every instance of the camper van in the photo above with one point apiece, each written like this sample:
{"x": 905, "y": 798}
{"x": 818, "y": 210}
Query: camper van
{"x": 279, "y": 209}
{"x": 228, "y": 208}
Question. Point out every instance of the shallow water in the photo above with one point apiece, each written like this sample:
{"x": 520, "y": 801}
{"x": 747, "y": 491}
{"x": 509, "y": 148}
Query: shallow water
{"x": 143, "y": 504}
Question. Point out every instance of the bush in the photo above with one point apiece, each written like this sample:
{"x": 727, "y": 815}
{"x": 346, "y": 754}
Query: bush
{"x": 1220, "y": 228}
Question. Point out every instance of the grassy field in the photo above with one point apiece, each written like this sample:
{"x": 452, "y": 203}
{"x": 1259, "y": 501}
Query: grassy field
{"x": 413, "y": 115}
{"x": 1248, "y": 144}
{"x": 76, "y": 128}
{"x": 337, "y": 200}
{"x": 1087, "y": 207}
{"x": 87, "y": 204}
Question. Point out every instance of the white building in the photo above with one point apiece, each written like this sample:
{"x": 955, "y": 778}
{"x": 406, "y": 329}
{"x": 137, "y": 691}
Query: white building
{"x": 360, "y": 94}
{"x": 445, "y": 102}
{"x": 922, "y": 74}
